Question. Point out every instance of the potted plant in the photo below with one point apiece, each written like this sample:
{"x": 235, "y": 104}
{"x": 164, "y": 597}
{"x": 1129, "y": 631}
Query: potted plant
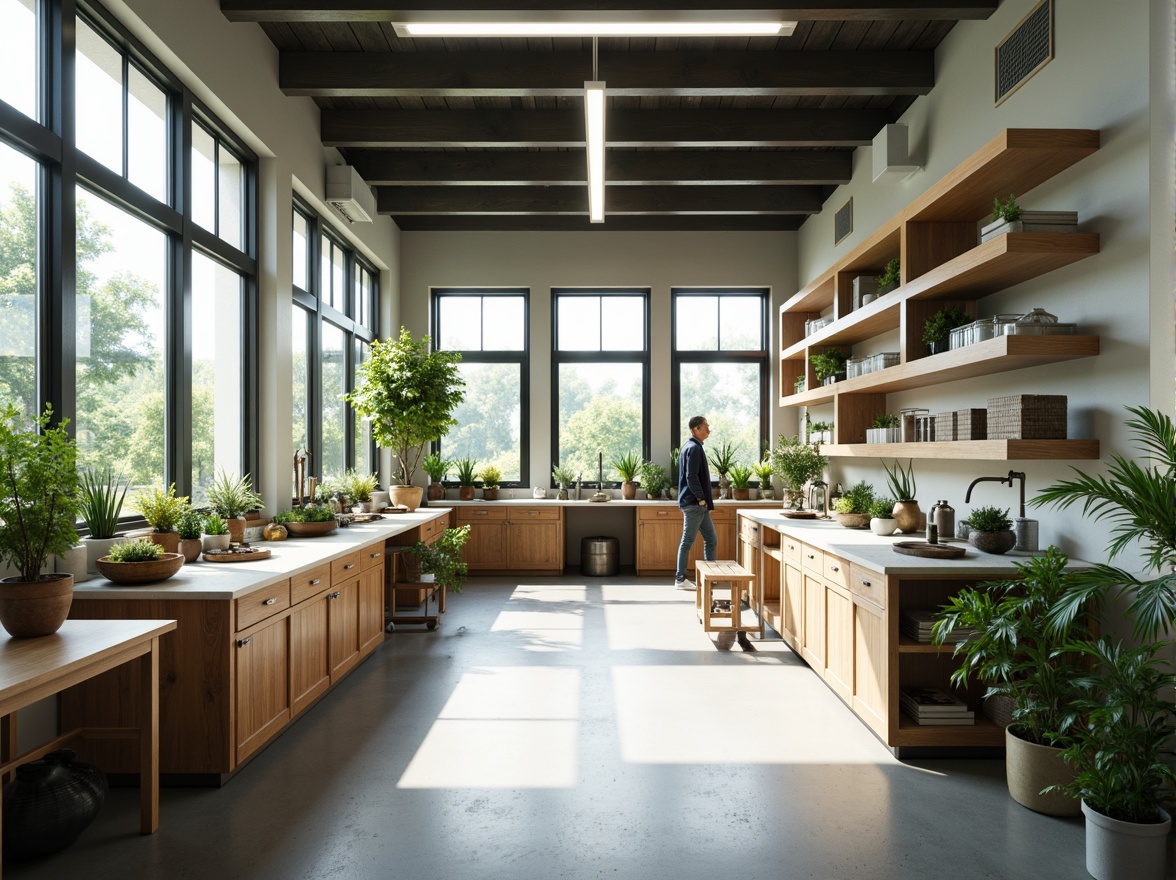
{"x": 902, "y": 486}
{"x": 1022, "y": 658}
{"x": 763, "y": 473}
{"x": 139, "y": 562}
{"x": 102, "y": 496}
{"x": 443, "y": 558}
{"x": 882, "y": 521}
{"x": 891, "y": 276}
{"x": 741, "y": 482}
{"x": 189, "y": 528}
{"x": 409, "y": 394}
{"x": 307, "y": 522}
{"x": 1005, "y": 218}
{"x": 885, "y": 429}
{"x": 360, "y": 488}
{"x": 799, "y": 386}
{"x": 491, "y": 476}
{"x": 654, "y": 479}
{"x": 674, "y": 454}
{"x": 820, "y": 432}
{"x": 1116, "y": 741}
{"x": 853, "y": 508}
{"x": 38, "y": 506}
{"x": 467, "y": 475}
{"x": 722, "y": 460}
{"x": 627, "y": 466}
{"x": 937, "y": 329}
{"x": 796, "y": 462}
{"x": 991, "y": 530}
{"x": 562, "y": 477}
{"x": 215, "y": 532}
{"x": 829, "y": 366}
{"x": 437, "y": 468}
{"x": 162, "y": 510}
{"x": 231, "y": 495}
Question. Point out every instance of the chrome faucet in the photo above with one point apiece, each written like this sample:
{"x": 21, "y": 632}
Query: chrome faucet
{"x": 1013, "y": 475}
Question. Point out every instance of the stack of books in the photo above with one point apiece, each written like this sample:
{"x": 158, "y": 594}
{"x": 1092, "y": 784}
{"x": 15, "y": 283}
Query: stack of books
{"x": 930, "y": 706}
{"x": 1032, "y": 221}
{"x": 916, "y": 623}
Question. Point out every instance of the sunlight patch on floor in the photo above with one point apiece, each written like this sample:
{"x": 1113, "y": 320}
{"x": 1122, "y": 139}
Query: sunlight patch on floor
{"x": 516, "y": 692}
{"x": 552, "y": 593}
{"x": 745, "y": 714}
{"x": 657, "y": 627}
{"x": 544, "y": 631}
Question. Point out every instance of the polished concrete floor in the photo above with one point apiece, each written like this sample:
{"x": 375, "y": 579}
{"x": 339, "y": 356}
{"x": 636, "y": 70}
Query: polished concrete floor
{"x": 580, "y": 728}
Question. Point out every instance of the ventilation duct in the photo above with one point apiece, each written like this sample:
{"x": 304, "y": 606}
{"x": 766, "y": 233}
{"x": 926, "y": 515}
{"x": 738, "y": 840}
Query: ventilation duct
{"x": 348, "y": 194}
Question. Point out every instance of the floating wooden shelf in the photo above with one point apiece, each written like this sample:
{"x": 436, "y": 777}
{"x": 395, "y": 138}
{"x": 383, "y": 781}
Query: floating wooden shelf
{"x": 907, "y": 645}
{"x": 982, "y": 733}
{"x": 982, "y": 450}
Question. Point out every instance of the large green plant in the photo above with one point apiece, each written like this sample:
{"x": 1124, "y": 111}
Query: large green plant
{"x": 38, "y": 491}
{"x": 161, "y": 509}
{"x": 443, "y": 557}
{"x": 409, "y": 394}
{"x": 722, "y": 459}
{"x": 797, "y": 462}
{"x": 1014, "y": 650}
{"x": 1139, "y": 501}
{"x": 102, "y": 496}
{"x": 231, "y": 494}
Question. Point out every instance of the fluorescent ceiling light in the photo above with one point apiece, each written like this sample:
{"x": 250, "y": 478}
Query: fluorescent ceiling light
{"x": 595, "y": 29}
{"x": 594, "y": 125}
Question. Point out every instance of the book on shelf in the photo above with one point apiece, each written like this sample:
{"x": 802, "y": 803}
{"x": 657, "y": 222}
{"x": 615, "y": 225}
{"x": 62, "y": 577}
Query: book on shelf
{"x": 917, "y": 623}
{"x": 946, "y": 721}
{"x": 933, "y": 706}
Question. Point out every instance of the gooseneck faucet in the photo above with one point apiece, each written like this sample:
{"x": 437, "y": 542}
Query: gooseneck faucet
{"x": 1013, "y": 475}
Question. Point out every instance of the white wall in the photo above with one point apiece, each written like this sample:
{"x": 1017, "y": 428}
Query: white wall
{"x": 1098, "y": 79}
{"x": 540, "y": 261}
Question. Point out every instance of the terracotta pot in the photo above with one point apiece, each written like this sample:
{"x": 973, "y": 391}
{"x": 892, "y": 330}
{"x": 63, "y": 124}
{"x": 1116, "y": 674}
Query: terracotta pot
{"x": 742, "y": 494}
{"x": 169, "y": 541}
{"x": 436, "y": 491}
{"x": 466, "y": 493}
{"x": 190, "y": 549}
{"x": 407, "y": 496}
{"x": 628, "y": 490}
{"x": 1030, "y": 768}
{"x": 30, "y": 609}
{"x": 993, "y": 542}
{"x": 908, "y": 515}
{"x": 490, "y": 494}
{"x": 236, "y": 529}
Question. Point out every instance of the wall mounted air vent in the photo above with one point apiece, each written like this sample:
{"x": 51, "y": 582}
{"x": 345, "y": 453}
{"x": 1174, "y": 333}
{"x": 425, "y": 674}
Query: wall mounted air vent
{"x": 843, "y": 222}
{"x": 1027, "y": 49}
{"x": 348, "y": 194}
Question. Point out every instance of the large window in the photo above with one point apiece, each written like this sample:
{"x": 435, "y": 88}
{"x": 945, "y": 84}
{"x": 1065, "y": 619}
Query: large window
{"x": 117, "y": 308}
{"x": 600, "y": 382}
{"x": 489, "y": 328}
{"x": 720, "y": 367}
{"x": 335, "y": 295}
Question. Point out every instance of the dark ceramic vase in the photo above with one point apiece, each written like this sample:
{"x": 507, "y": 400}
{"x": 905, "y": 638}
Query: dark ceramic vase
{"x": 993, "y": 542}
{"x": 49, "y": 803}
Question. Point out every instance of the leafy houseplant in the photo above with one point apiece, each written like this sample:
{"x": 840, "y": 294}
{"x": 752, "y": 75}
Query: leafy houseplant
{"x": 654, "y": 479}
{"x": 938, "y": 327}
{"x": 562, "y": 477}
{"x": 189, "y": 527}
{"x": 135, "y": 551}
{"x": 820, "y": 432}
{"x": 763, "y": 472}
{"x": 674, "y": 454}
{"x": 1007, "y": 211}
{"x": 882, "y": 521}
{"x": 853, "y": 508}
{"x": 992, "y": 530}
{"x": 797, "y": 463}
{"x": 297, "y": 515}
{"x": 828, "y": 365}
{"x": 231, "y": 495}
{"x": 467, "y": 475}
{"x": 409, "y": 394}
{"x": 722, "y": 460}
{"x": 741, "y": 482}
{"x": 901, "y": 483}
{"x": 890, "y": 277}
{"x": 437, "y": 468}
{"x": 1015, "y": 651}
{"x": 162, "y": 510}
{"x": 885, "y": 429}
{"x": 359, "y": 487}
{"x": 139, "y": 562}
{"x": 102, "y": 496}
{"x": 627, "y": 466}
{"x": 216, "y": 532}
{"x": 491, "y": 476}
{"x": 443, "y": 558}
{"x": 38, "y": 506}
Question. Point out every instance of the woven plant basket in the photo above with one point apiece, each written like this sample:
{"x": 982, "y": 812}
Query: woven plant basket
{"x": 1027, "y": 417}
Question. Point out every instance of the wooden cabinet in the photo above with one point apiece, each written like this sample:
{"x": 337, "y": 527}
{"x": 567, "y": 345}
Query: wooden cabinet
{"x": 371, "y": 608}
{"x": 659, "y": 533}
{"x": 511, "y": 538}
{"x": 262, "y": 689}
{"x": 486, "y": 547}
{"x": 310, "y": 670}
{"x": 942, "y": 265}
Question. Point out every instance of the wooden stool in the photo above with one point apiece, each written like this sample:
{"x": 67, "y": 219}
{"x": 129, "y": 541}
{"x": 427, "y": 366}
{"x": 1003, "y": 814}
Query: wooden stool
{"x": 728, "y": 573}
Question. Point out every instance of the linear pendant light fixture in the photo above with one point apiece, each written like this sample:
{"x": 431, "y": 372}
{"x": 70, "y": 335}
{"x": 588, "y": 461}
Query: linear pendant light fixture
{"x": 590, "y": 28}
{"x": 594, "y": 129}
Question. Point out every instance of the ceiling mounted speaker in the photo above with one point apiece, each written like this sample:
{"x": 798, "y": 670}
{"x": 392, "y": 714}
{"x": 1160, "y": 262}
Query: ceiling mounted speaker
{"x": 892, "y": 160}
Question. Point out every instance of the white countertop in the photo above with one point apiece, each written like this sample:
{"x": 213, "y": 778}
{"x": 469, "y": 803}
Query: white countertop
{"x": 863, "y": 547}
{"x": 615, "y": 502}
{"x": 232, "y": 580}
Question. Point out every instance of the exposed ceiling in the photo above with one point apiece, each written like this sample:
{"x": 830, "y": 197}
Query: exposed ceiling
{"x": 702, "y": 134}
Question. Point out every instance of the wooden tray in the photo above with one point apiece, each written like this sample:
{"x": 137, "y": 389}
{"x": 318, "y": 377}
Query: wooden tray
{"x": 252, "y": 555}
{"x": 799, "y": 514}
{"x": 930, "y": 551}
{"x": 311, "y": 529}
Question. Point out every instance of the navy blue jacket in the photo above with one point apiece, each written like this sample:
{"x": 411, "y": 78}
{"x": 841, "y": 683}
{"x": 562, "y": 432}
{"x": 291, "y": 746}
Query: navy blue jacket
{"x": 694, "y": 480}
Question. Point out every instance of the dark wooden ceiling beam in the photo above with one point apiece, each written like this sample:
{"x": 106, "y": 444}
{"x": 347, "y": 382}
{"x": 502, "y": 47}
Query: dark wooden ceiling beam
{"x": 408, "y": 200}
{"x": 660, "y": 167}
{"x": 682, "y": 10}
{"x": 562, "y": 74}
{"x": 624, "y": 128}
{"x": 622, "y": 223}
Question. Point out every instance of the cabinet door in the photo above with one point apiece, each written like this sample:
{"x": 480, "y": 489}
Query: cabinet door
{"x": 839, "y": 642}
{"x": 371, "y": 608}
{"x": 263, "y": 695}
{"x": 487, "y": 545}
{"x": 310, "y": 673}
{"x": 343, "y": 627}
{"x": 535, "y": 545}
{"x": 726, "y": 546}
{"x": 813, "y": 646}
{"x": 870, "y": 659}
{"x": 793, "y": 610}
{"x": 657, "y": 543}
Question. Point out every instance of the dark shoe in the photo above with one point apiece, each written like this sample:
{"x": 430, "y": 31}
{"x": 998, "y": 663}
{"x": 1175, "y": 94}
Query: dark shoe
{"x": 745, "y": 642}
{"x": 725, "y": 641}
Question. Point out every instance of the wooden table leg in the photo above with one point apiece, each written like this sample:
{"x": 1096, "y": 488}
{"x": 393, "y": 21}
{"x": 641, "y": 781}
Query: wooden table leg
{"x": 149, "y": 740}
{"x": 7, "y": 743}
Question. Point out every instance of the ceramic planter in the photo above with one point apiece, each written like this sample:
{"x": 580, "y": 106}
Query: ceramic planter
{"x": 407, "y": 496}
{"x": 436, "y": 491}
{"x": 853, "y": 520}
{"x": 741, "y": 494}
{"x": 141, "y": 572}
{"x": 96, "y": 548}
{"x": 883, "y": 527}
{"x": 490, "y": 493}
{"x": 31, "y": 609}
{"x": 993, "y": 542}
{"x": 1030, "y": 768}
{"x": 466, "y": 493}
{"x": 908, "y": 515}
{"x": 1117, "y": 850}
{"x": 170, "y": 541}
{"x": 628, "y": 490}
{"x": 190, "y": 549}
{"x": 215, "y": 542}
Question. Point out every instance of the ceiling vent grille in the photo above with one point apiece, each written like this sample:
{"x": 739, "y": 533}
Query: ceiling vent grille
{"x": 348, "y": 194}
{"x": 843, "y": 222}
{"x": 1027, "y": 49}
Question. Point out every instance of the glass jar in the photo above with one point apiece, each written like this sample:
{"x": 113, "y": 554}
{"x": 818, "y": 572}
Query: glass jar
{"x": 909, "y": 417}
{"x": 1038, "y": 316}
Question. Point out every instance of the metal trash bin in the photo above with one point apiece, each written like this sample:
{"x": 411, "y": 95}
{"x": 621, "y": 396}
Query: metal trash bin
{"x": 600, "y": 556}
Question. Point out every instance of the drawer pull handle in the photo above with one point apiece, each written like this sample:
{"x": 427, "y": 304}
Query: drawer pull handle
{"x": 867, "y": 584}
{"x": 272, "y": 600}
{"x": 316, "y": 582}
{"x": 834, "y": 568}
{"x": 810, "y": 556}
{"x": 241, "y": 643}
{"x": 375, "y": 555}
{"x": 348, "y": 566}
{"x": 334, "y": 595}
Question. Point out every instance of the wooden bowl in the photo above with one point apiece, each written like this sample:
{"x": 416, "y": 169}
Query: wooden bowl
{"x": 141, "y": 572}
{"x": 310, "y": 529}
{"x": 853, "y": 520}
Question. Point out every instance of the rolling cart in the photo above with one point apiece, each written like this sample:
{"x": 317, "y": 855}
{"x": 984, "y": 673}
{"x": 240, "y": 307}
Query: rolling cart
{"x": 393, "y": 582}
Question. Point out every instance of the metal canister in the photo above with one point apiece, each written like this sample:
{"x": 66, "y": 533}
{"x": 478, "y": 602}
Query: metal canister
{"x": 944, "y": 518}
{"x": 932, "y": 529}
